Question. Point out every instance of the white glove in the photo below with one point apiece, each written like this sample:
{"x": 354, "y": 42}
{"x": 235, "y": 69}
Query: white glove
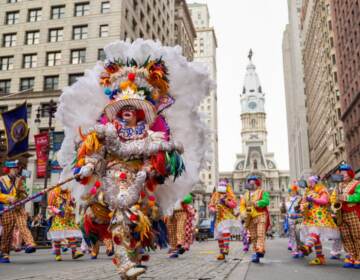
{"x": 86, "y": 171}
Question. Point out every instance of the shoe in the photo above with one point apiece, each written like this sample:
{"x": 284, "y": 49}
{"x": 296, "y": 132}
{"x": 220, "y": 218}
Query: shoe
{"x": 64, "y": 249}
{"x": 221, "y": 257}
{"x": 335, "y": 257}
{"x": 348, "y": 263}
{"x": 180, "y": 250}
{"x": 289, "y": 248}
{"x": 318, "y": 261}
{"x": 305, "y": 250}
{"x": 93, "y": 257}
{"x": 295, "y": 255}
{"x": 58, "y": 258}
{"x": 5, "y": 259}
{"x": 30, "y": 250}
{"x": 174, "y": 255}
{"x": 134, "y": 272}
{"x": 255, "y": 258}
{"x": 260, "y": 255}
{"x": 110, "y": 253}
{"x": 357, "y": 264}
{"x": 77, "y": 255}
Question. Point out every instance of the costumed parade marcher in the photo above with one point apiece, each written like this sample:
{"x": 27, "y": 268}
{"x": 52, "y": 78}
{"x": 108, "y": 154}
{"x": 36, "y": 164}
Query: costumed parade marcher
{"x": 127, "y": 149}
{"x": 176, "y": 226}
{"x": 61, "y": 206}
{"x": 254, "y": 211}
{"x": 345, "y": 201}
{"x": 222, "y": 204}
{"x": 294, "y": 219}
{"x": 12, "y": 189}
{"x": 317, "y": 225}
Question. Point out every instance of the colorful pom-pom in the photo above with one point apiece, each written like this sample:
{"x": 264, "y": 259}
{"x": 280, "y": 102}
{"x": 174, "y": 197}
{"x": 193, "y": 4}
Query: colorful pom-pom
{"x": 97, "y": 184}
{"x": 123, "y": 176}
{"x": 152, "y": 198}
{"x": 133, "y": 218}
{"x": 108, "y": 91}
{"x": 142, "y": 194}
{"x": 151, "y": 204}
{"x": 93, "y": 191}
{"x": 85, "y": 181}
{"x": 131, "y": 76}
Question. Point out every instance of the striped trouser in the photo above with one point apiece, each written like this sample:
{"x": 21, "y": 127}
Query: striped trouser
{"x": 257, "y": 231}
{"x": 8, "y": 221}
{"x": 313, "y": 241}
{"x": 176, "y": 228}
{"x": 350, "y": 233}
{"x": 224, "y": 242}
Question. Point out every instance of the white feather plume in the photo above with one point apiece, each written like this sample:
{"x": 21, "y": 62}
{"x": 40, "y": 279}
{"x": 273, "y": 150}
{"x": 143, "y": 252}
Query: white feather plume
{"x": 81, "y": 105}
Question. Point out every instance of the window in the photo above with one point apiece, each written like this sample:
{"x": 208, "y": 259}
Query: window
{"x": 29, "y": 60}
{"x": 101, "y": 54}
{"x": 6, "y": 63}
{"x": 56, "y": 35}
{"x": 26, "y": 83}
{"x": 104, "y": 30}
{"x": 57, "y": 12}
{"x": 9, "y": 40}
{"x": 5, "y": 86}
{"x": 3, "y": 109}
{"x": 12, "y": 1}
{"x": 78, "y": 56}
{"x": 28, "y": 110}
{"x": 79, "y": 32}
{"x": 105, "y": 7}
{"x": 51, "y": 82}
{"x": 73, "y": 77}
{"x": 82, "y": 9}
{"x": 34, "y": 15}
{"x": 32, "y": 37}
{"x": 12, "y": 17}
{"x": 53, "y": 58}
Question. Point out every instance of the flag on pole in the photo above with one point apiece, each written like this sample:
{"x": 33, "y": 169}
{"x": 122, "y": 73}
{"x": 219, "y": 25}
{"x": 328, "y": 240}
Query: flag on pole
{"x": 16, "y": 131}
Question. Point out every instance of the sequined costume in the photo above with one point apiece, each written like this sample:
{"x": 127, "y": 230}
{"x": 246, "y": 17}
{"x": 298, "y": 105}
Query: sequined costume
{"x": 318, "y": 223}
{"x": 254, "y": 211}
{"x": 11, "y": 190}
{"x": 61, "y": 207}
{"x": 222, "y": 204}
{"x": 348, "y": 194}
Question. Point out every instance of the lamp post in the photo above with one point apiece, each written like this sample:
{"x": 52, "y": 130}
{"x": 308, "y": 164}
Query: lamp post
{"x": 50, "y": 110}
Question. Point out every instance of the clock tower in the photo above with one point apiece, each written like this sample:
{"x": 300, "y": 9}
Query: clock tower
{"x": 253, "y": 119}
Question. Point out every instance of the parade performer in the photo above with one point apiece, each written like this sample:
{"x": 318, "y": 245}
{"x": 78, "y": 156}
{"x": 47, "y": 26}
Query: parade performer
{"x": 222, "y": 204}
{"x": 124, "y": 145}
{"x": 12, "y": 189}
{"x": 61, "y": 206}
{"x": 317, "y": 222}
{"x": 345, "y": 201}
{"x": 294, "y": 218}
{"x": 176, "y": 226}
{"x": 189, "y": 226}
{"x": 254, "y": 211}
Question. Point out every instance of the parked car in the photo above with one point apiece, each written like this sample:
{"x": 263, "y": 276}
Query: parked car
{"x": 203, "y": 230}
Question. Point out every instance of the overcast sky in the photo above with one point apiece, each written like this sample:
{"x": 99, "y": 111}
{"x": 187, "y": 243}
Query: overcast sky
{"x": 239, "y": 26}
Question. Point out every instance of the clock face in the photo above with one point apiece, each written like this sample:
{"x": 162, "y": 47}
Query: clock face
{"x": 252, "y": 105}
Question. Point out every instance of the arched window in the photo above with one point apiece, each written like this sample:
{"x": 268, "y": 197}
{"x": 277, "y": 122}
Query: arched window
{"x": 253, "y": 123}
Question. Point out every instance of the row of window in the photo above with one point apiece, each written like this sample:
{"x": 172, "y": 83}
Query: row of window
{"x": 56, "y": 12}
{"x": 50, "y": 83}
{"x": 32, "y": 37}
{"x": 53, "y": 58}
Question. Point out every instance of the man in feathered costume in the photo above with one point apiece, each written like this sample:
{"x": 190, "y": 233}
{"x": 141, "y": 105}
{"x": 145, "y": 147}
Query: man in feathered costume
{"x": 222, "y": 204}
{"x": 12, "y": 189}
{"x": 347, "y": 195}
{"x": 318, "y": 223}
{"x": 61, "y": 206}
{"x": 253, "y": 210}
{"x": 127, "y": 153}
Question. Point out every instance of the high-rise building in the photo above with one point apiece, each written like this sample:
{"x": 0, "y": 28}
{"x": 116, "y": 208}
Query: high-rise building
{"x": 205, "y": 52}
{"x": 47, "y": 45}
{"x": 294, "y": 93}
{"x": 325, "y": 129}
{"x": 255, "y": 158}
{"x": 346, "y": 18}
{"x": 184, "y": 32}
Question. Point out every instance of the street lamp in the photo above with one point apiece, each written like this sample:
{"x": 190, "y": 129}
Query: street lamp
{"x": 50, "y": 110}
